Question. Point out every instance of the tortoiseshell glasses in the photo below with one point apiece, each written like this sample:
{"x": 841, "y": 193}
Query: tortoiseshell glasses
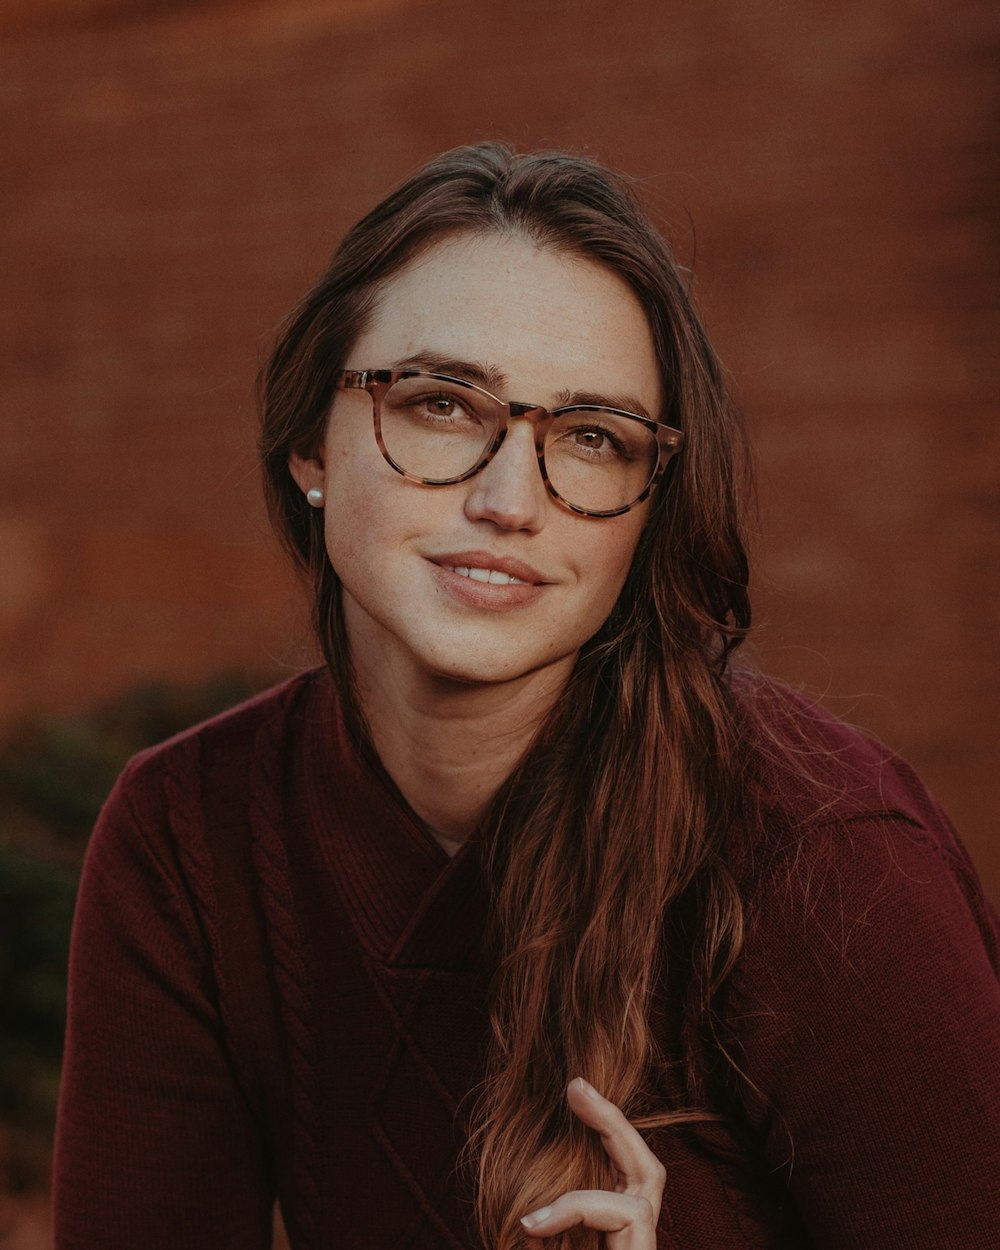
{"x": 438, "y": 430}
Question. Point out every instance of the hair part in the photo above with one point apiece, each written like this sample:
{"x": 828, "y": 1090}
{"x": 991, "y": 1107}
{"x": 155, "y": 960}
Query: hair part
{"x": 617, "y": 819}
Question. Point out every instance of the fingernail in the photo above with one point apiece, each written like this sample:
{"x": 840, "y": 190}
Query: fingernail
{"x": 536, "y": 1217}
{"x": 586, "y": 1087}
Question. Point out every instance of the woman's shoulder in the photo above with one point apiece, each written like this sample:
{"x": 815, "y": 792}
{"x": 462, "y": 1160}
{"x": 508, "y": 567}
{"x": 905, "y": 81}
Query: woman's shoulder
{"x": 864, "y": 1007}
{"x": 834, "y": 816}
{"x": 205, "y": 774}
{"x": 233, "y": 738}
{"x": 807, "y": 766}
{"x": 185, "y": 803}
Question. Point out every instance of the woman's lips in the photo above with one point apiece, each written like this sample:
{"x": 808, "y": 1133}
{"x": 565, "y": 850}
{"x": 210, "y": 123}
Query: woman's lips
{"x": 494, "y": 577}
{"x": 487, "y": 562}
{"x": 481, "y": 580}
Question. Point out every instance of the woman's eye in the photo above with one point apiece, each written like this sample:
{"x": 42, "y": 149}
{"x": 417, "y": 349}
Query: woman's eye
{"x": 439, "y": 408}
{"x": 601, "y": 438}
{"x": 595, "y": 442}
{"x": 444, "y": 411}
{"x": 442, "y": 405}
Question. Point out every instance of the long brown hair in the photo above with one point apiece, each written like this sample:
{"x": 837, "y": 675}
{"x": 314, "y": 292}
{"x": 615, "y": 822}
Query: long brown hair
{"x": 616, "y": 821}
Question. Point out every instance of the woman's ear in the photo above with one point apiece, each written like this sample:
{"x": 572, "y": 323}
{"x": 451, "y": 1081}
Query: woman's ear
{"x": 308, "y": 473}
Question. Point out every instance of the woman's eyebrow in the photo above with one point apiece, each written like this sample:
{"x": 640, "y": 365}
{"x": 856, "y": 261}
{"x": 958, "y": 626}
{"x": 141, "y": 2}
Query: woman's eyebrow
{"x": 627, "y": 403}
{"x": 492, "y": 378}
{"x": 488, "y": 376}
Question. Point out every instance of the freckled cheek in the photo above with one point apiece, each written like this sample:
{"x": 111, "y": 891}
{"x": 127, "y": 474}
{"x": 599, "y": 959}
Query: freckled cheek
{"x": 352, "y": 528}
{"x": 355, "y": 494}
{"x": 373, "y": 520}
{"x": 612, "y": 553}
{"x": 614, "y": 580}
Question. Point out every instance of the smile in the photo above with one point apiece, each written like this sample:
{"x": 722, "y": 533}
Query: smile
{"x": 493, "y": 576}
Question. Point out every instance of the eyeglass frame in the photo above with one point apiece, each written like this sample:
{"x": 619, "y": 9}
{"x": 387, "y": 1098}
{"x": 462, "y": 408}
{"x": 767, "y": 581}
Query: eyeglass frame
{"x": 377, "y": 382}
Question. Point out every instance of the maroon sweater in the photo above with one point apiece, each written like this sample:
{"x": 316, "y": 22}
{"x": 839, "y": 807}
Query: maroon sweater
{"x": 276, "y": 989}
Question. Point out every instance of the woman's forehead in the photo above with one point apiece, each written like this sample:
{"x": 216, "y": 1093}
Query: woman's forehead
{"x": 519, "y": 311}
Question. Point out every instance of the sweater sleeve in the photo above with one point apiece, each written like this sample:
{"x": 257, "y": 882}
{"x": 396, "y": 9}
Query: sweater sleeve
{"x": 155, "y": 1144}
{"x": 867, "y": 1014}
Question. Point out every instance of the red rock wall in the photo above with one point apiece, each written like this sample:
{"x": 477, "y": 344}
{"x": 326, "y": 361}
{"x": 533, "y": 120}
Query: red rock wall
{"x": 175, "y": 174}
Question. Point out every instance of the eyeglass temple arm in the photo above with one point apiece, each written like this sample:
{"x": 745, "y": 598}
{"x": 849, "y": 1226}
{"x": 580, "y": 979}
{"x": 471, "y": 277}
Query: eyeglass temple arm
{"x": 349, "y": 379}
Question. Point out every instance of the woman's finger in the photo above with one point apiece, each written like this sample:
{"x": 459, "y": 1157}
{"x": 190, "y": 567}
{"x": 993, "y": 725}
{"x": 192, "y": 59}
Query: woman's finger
{"x": 629, "y": 1218}
{"x": 641, "y": 1173}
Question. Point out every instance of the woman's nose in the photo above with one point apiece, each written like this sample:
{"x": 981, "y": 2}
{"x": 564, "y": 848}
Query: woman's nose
{"x": 510, "y": 491}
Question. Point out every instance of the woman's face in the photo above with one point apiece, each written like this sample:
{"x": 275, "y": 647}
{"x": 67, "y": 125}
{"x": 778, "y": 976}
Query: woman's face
{"x": 543, "y": 325}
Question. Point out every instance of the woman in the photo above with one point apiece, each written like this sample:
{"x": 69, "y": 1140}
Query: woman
{"x": 422, "y": 940}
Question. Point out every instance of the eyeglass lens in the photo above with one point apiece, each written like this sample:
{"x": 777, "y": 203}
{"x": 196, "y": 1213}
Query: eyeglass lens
{"x": 597, "y": 460}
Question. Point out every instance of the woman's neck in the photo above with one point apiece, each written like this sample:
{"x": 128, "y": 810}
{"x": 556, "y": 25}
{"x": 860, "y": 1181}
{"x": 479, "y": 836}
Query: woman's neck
{"x": 448, "y": 745}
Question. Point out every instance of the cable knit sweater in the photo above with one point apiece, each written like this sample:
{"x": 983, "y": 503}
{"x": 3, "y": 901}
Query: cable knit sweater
{"x": 276, "y": 990}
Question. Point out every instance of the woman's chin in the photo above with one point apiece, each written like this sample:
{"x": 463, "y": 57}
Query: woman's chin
{"x": 493, "y": 671}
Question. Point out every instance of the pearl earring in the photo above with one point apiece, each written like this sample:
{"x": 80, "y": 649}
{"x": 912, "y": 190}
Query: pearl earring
{"x": 315, "y": 496}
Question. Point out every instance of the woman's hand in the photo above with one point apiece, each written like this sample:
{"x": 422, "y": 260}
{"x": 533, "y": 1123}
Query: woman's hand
{"x": 628, "y": 1215}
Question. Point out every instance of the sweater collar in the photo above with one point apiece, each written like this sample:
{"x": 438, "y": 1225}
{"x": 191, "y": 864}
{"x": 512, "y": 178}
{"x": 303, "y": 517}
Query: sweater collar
{"x": 412, "y": 905}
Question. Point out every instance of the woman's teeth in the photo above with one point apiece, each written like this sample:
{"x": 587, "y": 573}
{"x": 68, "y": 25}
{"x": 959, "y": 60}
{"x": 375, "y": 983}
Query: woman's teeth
{"x": 493, "y": 576}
